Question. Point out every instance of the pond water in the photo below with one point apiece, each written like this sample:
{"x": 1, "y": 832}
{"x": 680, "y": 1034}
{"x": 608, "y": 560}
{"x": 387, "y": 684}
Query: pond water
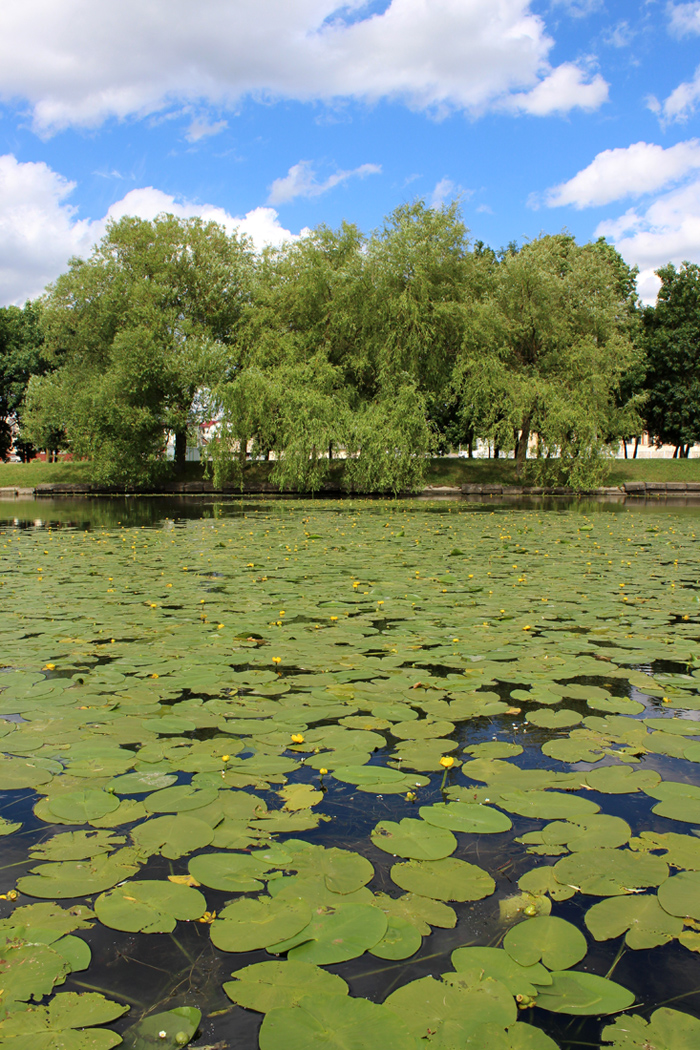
{"x": 349, "y": 774}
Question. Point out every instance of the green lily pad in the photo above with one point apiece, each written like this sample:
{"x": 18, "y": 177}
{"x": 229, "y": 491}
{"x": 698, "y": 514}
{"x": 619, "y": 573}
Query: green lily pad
{"x": 421, "y": 912}
{"x": 230, "y": 872}
{"x": 549, "y": 719}
{"x": 78, "y": 807}
{"x": 444, "y": 880}
{"x": 140, "y": 783}
{"x": 621, "y": 780}
{"x": 179, "y": 1025}
{"x": 18, "y": 773}
{"x": 62, "y": 1024}
{"x": 548, "y": 805}
{"x": 180, "y": 799}
{"x": 172, "y": 836}
{"x": 610, "y": 872}
{"x": 401, "y": 940}
{"x": 572, "y": 992}
{"x": 497, "y": 963}
{"x": 79, "y": 878}
{"x": 666, "y": 1029}
{"x": 415, "y": 839}
{"x": 336, "y": 934}
{"x": 462, "y": 816}
{"x": 270, "y": 985}
{"x": 641, "y": 917}
{"x": 246, "y": 925}
{"x": 445, "y": 1009}
{"x": 680, "y": 895}
{"x": 77, "y": 845}
{"x": 557, "y": 943}
{"x": 30, "y": 971}
{"x": 149, "y": 906}
{"x": 336, "y": 1022}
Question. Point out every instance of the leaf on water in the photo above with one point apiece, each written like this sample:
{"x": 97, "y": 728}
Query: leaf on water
{"x": 610, "y": 872}
{"x": 270, "y": 985}
{"x": 62, "y": 1023}
{"x": 149, "y": 906}
{"x": 666, "y": 1029}
{"x": 466, "y": 817}
{"x": 401, "y": 940}
{"x": 557, "y": 943}
{"x": 572, "y": 992}
{"x": 444, "y": 880}
{"x": 247, "y": 925}
{"x": 179, "y": 1026}
{"x": 336, "y": 1022}
{"x": 415, "y": 839}
{"x": 497, "y": 963}
{"x": 640, "y": 916}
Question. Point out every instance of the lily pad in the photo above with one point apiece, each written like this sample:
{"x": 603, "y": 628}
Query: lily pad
{"x": 230, "y": 872}
{"x": 497, "y": 963}
{"x": 168, "y": 1031}
{"x": 572, "y": 992}
{"x": 641, "y": 917}
{"x": 63, "y": 1023}
{"x": 610, "y": 872}
{"x": 336, "y": 934}
{"x": 336, "y": 1022}
{"x": 557, "y": 943}
{"x": 415, "y": 839}
{"x": 462, "y": 816}
{"x": 149, "y": 906}
{"x": 444, "y": 880}
{"x": 270, "y": 985}
{"x": 79, "y": 878}
{"x": 666, "y": 1029}
{"x": 401, "y": 940}
{"x": 172, "y": 836}
{"x": 247, "y": 925}
{"x": 78, "y": 807}
{"x": 680, "y": 895}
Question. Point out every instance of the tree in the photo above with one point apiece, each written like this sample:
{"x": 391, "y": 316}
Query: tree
{"x": 348, "y": 343}
{"x": 21, "y": 356}
{"x": 135, "y": 331}
{"x": 672, "y": 343}
{"x": 545, "y": 349}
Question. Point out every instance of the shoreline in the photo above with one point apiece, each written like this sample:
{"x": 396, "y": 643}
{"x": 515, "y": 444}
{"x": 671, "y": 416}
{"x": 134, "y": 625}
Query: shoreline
{"x": 617, "y": 493}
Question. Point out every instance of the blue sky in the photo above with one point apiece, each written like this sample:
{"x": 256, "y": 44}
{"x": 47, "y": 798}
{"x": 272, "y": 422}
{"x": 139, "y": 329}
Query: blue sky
{"x": 273, "y": 116}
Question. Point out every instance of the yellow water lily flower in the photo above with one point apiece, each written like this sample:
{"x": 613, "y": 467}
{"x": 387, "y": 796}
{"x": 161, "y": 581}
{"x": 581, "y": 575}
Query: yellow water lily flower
{"x": 277, "y": 659}
{"x": 297, "y": 738}
{"x": 447, "y": 761}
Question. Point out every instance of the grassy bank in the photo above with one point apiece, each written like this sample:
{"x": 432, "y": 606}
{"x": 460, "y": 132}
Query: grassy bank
{"x": 440, "y": 472}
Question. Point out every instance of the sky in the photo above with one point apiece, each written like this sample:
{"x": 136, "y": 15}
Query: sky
{"x": 274, "y": 116}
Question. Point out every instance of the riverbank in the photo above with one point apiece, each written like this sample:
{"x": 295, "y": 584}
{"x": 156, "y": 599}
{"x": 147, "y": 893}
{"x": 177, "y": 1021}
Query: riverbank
{"x": 445, "y": 477}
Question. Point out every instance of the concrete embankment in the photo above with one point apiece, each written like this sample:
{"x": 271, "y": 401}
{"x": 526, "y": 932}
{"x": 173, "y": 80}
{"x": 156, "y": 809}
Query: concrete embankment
{"x": 687, "y": 491}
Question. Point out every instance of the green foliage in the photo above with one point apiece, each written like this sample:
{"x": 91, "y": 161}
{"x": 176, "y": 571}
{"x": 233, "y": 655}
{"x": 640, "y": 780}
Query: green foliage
{"x": 21, "y": 357}
{"x": 134, "y": 332}
{"x": 671, "y": 332}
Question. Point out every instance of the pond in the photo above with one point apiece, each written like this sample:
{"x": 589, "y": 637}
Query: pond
{"x": 349, "y": 774}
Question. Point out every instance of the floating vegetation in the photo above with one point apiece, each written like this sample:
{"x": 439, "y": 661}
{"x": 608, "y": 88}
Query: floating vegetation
{"x": 351, "y": 775}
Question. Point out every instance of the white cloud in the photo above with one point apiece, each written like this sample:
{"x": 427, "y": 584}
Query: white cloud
{"x": 75, "y": 62}
{"x": 626, "y": 172}
{"x": 200, "y": 129}
{"x": 301, "y": 181}
{"x": 619, "y": 35}
{"x": 444, "y": 189}
{"x": 579, "y": 8}
{"x": 667, "y": 231}
{"x": 40, "y": 231}
{"x": 684, "y": 19}
{"x": 567, "y": 87}
{"x": 681, "y": 103}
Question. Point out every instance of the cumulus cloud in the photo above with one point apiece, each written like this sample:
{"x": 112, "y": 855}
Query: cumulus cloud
{"x": 667, "y": 231}
{"x": 627, "y": 172}
{"x": 567, "y": 87}
{"x": 579, "y": 8}
{"x": 301, "y": 181}
{"x": 75, "y": 63}
{"x": 684, "y": 19}
{"x": 680, "y": 104}
{"x": 40, "y": 230}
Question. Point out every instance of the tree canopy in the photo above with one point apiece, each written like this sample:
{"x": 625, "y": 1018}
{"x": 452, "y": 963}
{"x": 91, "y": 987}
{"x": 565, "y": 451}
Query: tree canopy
{"x": 378, "y": 349}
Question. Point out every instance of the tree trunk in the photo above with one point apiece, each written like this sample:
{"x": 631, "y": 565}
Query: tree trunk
{"x": 470, "y": 453}
{"x": 180, "y": 451}
{"x": 243, "y": 450}
{"x": 496, "y": 450}
{"x": 330, "y": 451}
{"x": 624, "y": 445}
{"x": 521, "y": 448}
{"x": 675, "y": 452}
{"x": 636, "y": 446}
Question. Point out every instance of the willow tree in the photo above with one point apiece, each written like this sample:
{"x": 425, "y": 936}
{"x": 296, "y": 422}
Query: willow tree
{"x": 545, "y": 351}
{"x": 348, "y": 343}
{"x": 134, "y": 332}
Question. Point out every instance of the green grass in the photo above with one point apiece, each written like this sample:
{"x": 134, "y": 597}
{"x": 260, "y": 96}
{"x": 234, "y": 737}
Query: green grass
{"x": 442, "y": 471}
